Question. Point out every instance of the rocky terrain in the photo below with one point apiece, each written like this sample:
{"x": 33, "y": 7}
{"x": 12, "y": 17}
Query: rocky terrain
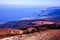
{"x": 45, "y": 35}
{"x": 44, "y": 32}
{"x": 34, "y": 30}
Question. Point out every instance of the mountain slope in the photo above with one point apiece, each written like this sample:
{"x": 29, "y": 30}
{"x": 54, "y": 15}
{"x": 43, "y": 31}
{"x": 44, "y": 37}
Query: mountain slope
{"x": 52, "y": 13}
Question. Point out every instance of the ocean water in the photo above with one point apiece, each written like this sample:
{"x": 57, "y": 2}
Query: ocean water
{"x": 15, "y": 13}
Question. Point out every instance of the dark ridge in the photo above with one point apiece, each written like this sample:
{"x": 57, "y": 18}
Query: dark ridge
{"x": 19, "y": 24}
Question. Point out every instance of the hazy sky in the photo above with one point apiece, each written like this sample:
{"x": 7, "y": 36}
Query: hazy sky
{"x": 30, "y": 2}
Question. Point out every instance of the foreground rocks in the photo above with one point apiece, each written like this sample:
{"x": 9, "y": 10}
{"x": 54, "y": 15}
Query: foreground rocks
{"x": 44, "y": 35}
{"x": 45, "y": 32}
{"x": 10, "y": 31}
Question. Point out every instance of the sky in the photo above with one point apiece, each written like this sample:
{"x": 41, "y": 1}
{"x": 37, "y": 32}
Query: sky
{"x": 30, "y": 2}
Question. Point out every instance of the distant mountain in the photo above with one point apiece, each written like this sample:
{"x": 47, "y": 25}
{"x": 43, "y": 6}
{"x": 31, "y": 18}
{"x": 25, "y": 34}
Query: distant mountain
{"x": 20, "y": 24}
{"x": 52, "y": 12}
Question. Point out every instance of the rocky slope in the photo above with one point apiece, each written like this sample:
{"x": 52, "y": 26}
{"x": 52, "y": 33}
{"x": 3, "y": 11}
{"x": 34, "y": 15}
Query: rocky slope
{"x": 47, "y": 31}
{"x": 44, "y": 35}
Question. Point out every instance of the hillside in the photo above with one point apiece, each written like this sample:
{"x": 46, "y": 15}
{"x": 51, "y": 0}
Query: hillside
{"x": 20, "y": 24}
{"x": 45, "y": 35}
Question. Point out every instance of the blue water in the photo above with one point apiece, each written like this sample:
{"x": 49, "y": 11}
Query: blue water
{"x": 15, "y": 13}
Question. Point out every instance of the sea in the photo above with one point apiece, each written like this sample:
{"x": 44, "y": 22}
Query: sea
{"x": 15, "y": 13}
